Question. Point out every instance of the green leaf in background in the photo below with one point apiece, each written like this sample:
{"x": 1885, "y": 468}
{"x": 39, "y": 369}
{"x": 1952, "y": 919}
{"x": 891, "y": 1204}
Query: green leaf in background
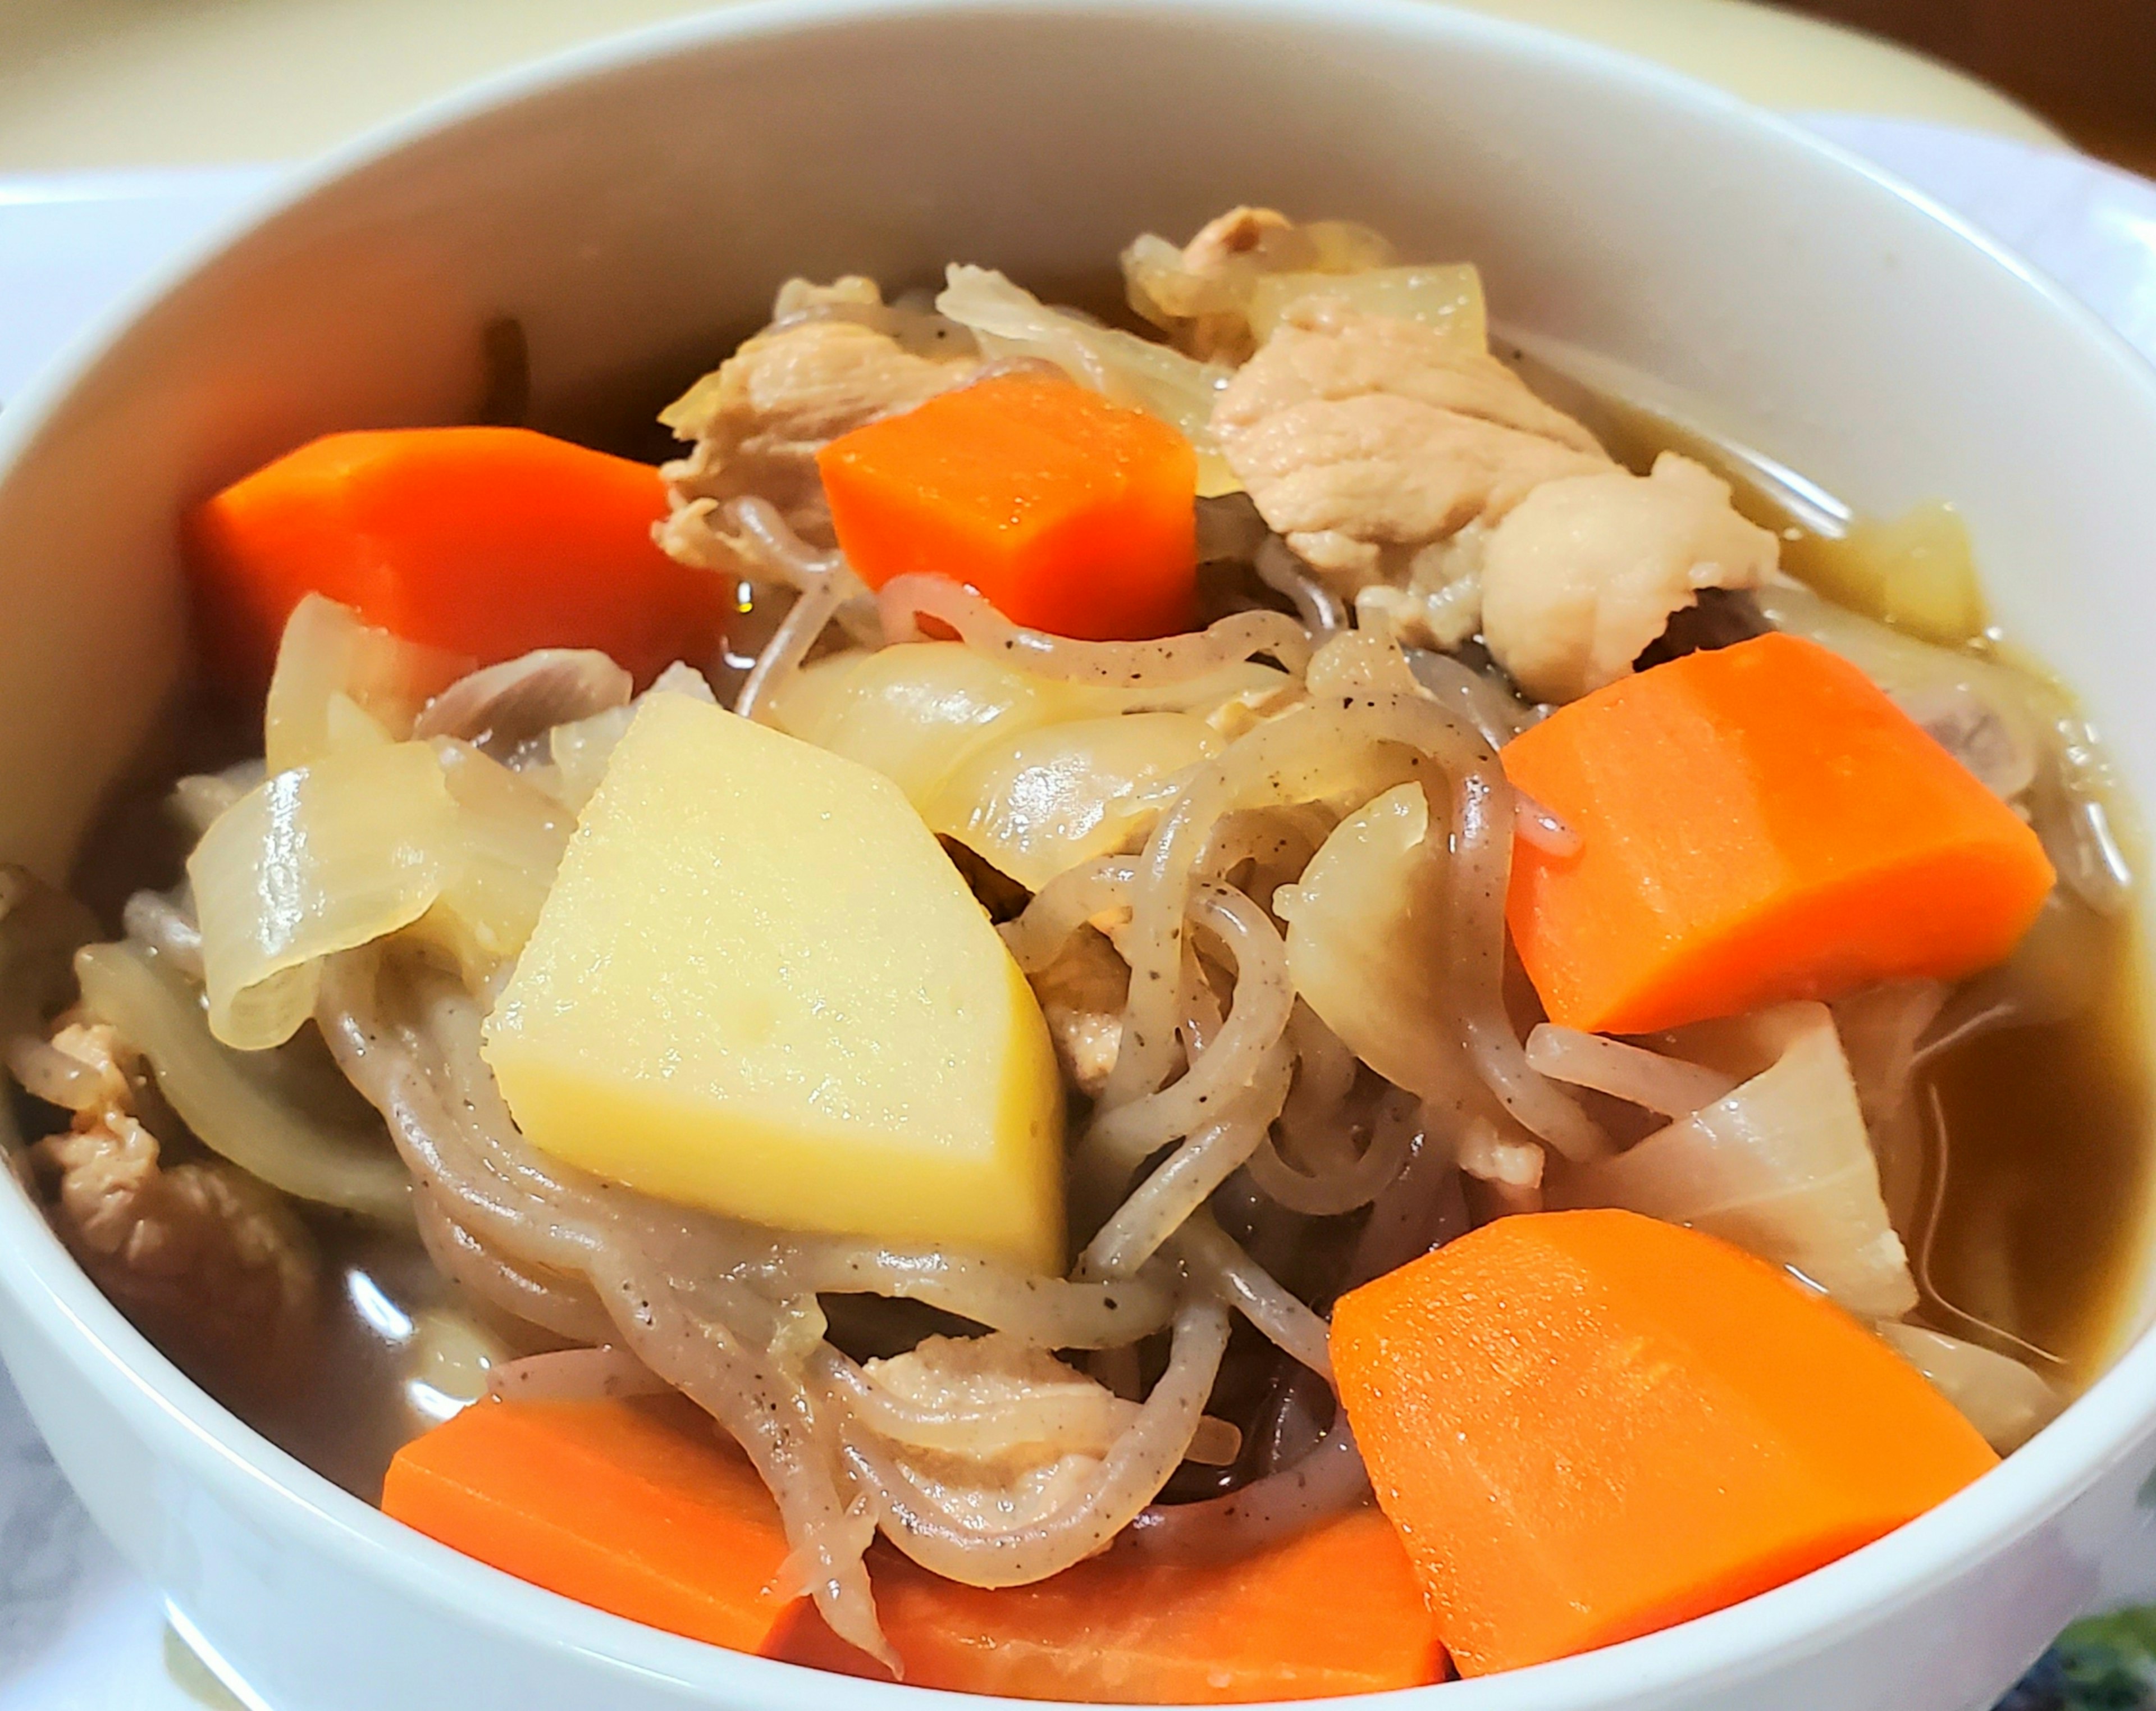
{"x": 2107, "y": 1663}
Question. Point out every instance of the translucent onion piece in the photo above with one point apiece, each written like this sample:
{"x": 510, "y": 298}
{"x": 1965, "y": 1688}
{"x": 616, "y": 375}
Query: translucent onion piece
{"x": 360, "y": 843}
{"x": 318, "y": 859}
{"x": 330, "y": 666}
{"x": 1057, "y": 797}
{"x": 200, "y": 796}
{"x": 509, "y": 839}
{"x": 452, "y": 1359}
{"x": 581, "y": 750}
{"x": 2000, "y": 1397}
{"x": 1880, "y": 1028}
{"x": 1446, "y": 296}
{"x": 1009, "y": 322}
{"x": 299, "y": 1131}
{"x": 1365, "y": 935}
{"x": 1781, "y": 1167}
{"x": 501, "y": 706}
{"x": 1668, "y": 1085}
{"x": 1035, "y": 773}
{"x": 1216, "y": 1443}
{"x": 918, "y": 712}
{"x": 1201, "y": 296}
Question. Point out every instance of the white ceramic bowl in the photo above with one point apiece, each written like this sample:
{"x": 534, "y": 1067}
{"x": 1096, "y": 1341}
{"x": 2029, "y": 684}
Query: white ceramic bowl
{"x": 633, "y": 203}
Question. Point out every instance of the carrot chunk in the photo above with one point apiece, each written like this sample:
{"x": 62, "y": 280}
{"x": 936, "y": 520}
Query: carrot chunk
{"x": 1337, "y": 1611}
{"x": 1588, "y": 1425}
{"x": 1067, "y": 513}
{"x": 1755, "y": 824}
{"x": 488, "y": 542}
{"x": 638, "y": 1508}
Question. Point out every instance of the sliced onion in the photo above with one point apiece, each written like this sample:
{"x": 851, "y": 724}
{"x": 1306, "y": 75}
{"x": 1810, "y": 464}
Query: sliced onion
{"x": 1782, "y": 1166}
{"x": 2002, "y": 1398}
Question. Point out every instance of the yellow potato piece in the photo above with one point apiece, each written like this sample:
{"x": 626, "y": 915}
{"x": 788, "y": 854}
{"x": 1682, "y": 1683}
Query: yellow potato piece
{"x": 759, "y": 987}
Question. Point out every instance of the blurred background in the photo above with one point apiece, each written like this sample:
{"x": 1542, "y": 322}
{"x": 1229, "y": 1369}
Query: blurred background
{"x": 87, "y": 84}
{"x": 2088, "y": 65}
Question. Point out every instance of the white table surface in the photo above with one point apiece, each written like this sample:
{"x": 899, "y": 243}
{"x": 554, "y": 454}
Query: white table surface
{"x": 79, "y": 1632}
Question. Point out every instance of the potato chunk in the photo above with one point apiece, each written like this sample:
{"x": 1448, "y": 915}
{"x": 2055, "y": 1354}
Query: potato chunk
{"x": 759, "y": 987}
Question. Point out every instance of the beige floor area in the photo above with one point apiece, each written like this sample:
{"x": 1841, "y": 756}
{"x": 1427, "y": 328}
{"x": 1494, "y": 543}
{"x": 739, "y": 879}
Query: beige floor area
{"x": 88, "y": 83}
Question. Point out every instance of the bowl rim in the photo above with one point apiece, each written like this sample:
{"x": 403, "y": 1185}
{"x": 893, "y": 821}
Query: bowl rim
{"x": 2095, "y": 1436}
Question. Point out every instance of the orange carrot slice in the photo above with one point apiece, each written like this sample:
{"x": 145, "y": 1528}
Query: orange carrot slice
{"x": 1588, "y": 1425}
{"x": 1337, "y": 1611}
{"x": 1068, "y": 513}
{"x": 488, "y": 542}
{"x": 639, "y": 1508}
{"x": 1756, "y": 822}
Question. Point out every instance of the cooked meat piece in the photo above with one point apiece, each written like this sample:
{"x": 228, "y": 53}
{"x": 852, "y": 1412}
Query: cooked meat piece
{"x": 1365, "y": 438}
{"x": 1081, "y": 994}
{"x": 206, "y": 1259}
{"x": 1440, "y": 605}
{"x": 1585, "y": 572}
{"x": 829, "y": 363}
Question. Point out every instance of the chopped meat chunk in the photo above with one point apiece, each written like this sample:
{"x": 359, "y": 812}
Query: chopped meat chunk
{"x": 1440, "y": 606}
{"x": 1586, "y": 572}
{"x": 204, "y": 1257}
{"x": 1367, "y": 438}
{"x": 1081, "y": 994}
{"x": 834, "y": 359}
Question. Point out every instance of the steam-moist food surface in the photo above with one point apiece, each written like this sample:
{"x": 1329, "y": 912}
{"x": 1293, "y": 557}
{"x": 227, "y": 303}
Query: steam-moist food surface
{"x": 1252, "y": 873}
